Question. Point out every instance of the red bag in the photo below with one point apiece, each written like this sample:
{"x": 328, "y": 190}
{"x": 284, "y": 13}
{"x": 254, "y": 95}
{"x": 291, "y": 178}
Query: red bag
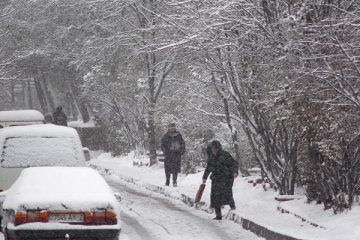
{"x": 200, "y": 193}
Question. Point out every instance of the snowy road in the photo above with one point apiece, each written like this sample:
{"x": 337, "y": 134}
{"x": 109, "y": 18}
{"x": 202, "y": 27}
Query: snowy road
{"x": 147, "y": 215}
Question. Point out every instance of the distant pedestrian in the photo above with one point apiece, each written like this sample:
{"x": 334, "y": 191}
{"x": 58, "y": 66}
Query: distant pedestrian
{"x": 223, "y": 169}
{"x": 60, "y": 117}
{"x": 173, "y": 147}
{"x": 48, "y": 118}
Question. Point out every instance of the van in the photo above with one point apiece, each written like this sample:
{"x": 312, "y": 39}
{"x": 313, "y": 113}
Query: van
{"x": 37, "y": 146}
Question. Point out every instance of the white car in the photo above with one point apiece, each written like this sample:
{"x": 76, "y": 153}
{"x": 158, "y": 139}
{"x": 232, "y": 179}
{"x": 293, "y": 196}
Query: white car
{"x": 20, "y": 118}
{"x": 36, "y": 146}
{"x": 60, "y": 203}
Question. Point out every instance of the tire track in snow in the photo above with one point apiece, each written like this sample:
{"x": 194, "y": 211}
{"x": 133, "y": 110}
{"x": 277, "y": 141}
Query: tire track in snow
{"x": 139, "y": 232}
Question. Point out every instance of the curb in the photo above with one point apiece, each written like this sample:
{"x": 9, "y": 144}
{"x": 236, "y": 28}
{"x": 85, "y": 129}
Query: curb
{"x": 247, "y": 224}
{"x": 283, "y": 210}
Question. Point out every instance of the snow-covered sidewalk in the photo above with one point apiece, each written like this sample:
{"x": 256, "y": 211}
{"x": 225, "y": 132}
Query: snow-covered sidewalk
{"x": 253, "y": 203}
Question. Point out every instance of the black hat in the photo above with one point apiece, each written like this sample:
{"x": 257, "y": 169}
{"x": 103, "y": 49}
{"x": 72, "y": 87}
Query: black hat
{"x": 216, "y": 144}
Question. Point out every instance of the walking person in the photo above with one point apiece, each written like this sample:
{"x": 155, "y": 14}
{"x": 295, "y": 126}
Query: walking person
{"x": 223, "y": 169}
{"x": 173, "y": 147}
{"x": 48, "y": 118}
{"x": 60, "y": 117}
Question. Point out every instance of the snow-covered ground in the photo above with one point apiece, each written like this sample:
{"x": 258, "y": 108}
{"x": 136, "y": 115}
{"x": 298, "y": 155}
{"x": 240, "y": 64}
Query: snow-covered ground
{"x": 81, "y": 124}
{"x": 252, "y": 202}
{"x": 147, "y": 215}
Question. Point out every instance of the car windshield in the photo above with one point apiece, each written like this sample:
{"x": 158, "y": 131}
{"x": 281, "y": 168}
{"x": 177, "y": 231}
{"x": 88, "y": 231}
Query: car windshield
{"x": 20, "y": 152}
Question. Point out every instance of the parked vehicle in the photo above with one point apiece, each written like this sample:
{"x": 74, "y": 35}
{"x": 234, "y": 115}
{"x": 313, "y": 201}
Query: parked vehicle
{"x": 61, "y": 203}
{"x": 20, "y": 118}
{"x": 37, "y": 146}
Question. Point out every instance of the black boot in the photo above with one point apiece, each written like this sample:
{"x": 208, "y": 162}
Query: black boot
{"x": 218, "y": 214}
{"x": 175, "y": 179}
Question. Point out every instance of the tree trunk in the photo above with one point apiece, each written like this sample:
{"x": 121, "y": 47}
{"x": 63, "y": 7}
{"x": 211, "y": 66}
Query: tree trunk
{"x": 29, "y": 94}
{"x": 13, "y": 84}
{"x": 234, "y": 132}
{"x": 152, "y": 135}
{"x": 40, "y": 92}
{"x": 48, "y": 95}
{"x": 41, "y": 96}
{"x": 23, "y": 93}
{"x": 151, "y": 63}
{"x": 235, "y": 139}
{"x": 84, "y": 112}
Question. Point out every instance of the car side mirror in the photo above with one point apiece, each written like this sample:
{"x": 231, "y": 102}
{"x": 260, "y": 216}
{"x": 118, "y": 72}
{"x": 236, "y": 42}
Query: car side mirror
{"x": 118, "y": 196}
{"x": 86, "y": 154}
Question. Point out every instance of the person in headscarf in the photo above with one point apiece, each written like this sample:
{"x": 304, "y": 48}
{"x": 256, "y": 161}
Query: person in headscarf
{"x": 173, "y": 147}
{"x": 223, "y": 169}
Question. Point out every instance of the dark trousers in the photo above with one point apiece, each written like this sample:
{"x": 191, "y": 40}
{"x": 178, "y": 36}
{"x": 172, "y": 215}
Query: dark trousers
{"x": 168, "y": 175}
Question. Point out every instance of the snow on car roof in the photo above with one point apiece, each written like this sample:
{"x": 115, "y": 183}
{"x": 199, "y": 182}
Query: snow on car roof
{"x": 39, "y": 130}
{"x": 60, "y": 188}
{"x": 40, "y": 145}
{"x": 21, "y": 116}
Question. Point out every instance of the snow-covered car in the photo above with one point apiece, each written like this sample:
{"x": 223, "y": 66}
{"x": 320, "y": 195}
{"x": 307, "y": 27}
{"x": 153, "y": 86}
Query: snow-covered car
{"x": 37, "y": 146}
{"x": 20, "y": 118}
{"x": 61, "y": 203}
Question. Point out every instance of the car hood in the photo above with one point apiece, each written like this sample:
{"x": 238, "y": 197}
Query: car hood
{"x": 60, "y": 188}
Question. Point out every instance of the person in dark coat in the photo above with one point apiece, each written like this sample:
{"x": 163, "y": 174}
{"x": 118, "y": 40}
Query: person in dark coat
{"x": 60, "y": 117}
{"x": 223, "y": 169}
{"x": 173, "y": 147}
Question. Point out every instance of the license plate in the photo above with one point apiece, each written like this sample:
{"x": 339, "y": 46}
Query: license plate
{"x": 66, "y": 217}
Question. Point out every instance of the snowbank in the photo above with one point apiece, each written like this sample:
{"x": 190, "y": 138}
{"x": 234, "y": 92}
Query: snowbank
{"x": 252, "y": 202}
{"x": 81, "y": 124}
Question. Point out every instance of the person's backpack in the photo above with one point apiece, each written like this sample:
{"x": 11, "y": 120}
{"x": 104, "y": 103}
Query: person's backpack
{"x": 175, "y": 144}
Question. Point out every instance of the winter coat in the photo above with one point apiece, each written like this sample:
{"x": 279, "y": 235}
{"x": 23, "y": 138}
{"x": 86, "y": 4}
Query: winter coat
{"x": 173, "y": 147}
{"x": 222, "y": 168}
{"x": 60, "y": 118}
